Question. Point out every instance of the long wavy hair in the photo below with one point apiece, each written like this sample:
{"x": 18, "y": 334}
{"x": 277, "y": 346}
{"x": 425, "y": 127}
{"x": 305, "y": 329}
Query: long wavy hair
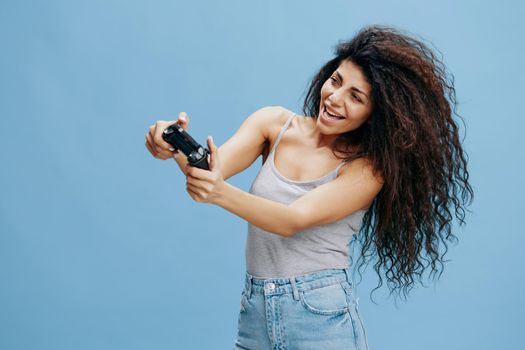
{"x": 412, "y": 140}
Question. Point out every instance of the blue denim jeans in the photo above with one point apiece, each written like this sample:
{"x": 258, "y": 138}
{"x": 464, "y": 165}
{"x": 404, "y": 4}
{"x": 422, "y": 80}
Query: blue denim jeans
{"x": 310, "y": 312}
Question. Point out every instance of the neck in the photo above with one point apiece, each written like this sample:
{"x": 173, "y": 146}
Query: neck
{"x": 319, "y": 139}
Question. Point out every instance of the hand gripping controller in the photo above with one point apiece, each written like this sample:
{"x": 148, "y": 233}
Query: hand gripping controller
{"x": 197, "y": 155}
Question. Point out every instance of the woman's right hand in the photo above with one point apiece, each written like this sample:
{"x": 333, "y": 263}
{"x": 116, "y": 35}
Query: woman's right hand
{"x": 156, "y": 145}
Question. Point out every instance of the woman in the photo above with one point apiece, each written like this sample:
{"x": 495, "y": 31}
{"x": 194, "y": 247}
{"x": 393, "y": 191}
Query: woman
{"x": 377, "y": 152}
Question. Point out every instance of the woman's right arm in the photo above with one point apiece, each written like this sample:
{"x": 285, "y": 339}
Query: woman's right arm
{"x": 249, "y": 141}
{"x": 236, "y": 154}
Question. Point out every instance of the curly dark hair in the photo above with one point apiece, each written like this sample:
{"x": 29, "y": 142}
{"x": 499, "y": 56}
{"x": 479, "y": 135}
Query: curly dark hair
{"x": 412, "y": 141}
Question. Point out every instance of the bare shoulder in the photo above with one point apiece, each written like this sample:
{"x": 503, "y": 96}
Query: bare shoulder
{"x": 270, "y": 118}
{"x": 362, "y": 169}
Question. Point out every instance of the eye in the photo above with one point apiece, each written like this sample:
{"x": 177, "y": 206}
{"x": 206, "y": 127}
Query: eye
{"x": 334, "y": 79}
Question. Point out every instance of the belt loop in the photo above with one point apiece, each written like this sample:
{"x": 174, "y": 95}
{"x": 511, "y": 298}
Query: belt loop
{"x": 348, "y": 276}
{"x": 294, "y": 288}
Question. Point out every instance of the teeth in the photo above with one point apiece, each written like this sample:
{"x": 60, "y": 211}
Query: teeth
{"x": 333, "y": 115}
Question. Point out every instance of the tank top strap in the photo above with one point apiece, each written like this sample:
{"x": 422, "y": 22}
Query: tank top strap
{"x": 336, "y": 170}
{"x": 281, "y": 132}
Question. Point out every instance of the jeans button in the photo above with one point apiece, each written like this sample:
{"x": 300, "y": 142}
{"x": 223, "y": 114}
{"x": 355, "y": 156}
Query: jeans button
{"x": 271, "y": 286}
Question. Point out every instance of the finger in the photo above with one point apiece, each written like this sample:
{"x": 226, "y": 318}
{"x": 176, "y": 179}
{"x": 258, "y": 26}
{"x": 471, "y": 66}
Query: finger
{"x": 213, "y": 153}
{"x": 164, "y": 153}
{"x": 158, "y": 155}
{"x": 151, "y": 133}
{"x": 161, "y": 145}
{"x": 197, "y": 184}
{"x": 150, "y": 149}
{"x": 149, "y": 145}
{"x": 197, "y": 173}
{"x": 164, "y": 149}
{"x": 176, "y": 154}
{"x": 197, "y": 192}
{"x": 183, "y": 120}
{"x": 194, "y": 195}
{"x": 194, "y": 188}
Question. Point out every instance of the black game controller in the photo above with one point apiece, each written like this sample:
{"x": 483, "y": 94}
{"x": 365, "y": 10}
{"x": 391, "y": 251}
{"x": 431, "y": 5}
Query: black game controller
{"x": 197, "y": 155}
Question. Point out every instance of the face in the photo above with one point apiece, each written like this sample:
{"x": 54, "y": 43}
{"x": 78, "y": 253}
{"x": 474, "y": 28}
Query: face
{"x": 346, "y": 94}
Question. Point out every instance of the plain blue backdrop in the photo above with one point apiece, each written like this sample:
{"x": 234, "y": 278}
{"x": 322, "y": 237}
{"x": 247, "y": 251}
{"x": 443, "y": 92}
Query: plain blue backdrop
{"x": 102, "y": 248}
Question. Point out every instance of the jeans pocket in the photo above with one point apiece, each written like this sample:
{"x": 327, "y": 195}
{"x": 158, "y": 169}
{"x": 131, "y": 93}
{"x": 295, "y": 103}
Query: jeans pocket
{"x": 243, "y": 301}
{"x": 360, "y": 338}
{"x": 327, "y": 300}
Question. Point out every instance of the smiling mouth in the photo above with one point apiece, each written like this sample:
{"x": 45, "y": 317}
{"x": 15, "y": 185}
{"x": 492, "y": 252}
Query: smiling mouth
{"x": 331, "y": 116}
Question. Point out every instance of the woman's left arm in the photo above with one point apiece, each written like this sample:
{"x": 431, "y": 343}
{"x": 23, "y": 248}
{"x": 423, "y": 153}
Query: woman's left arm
{"x": 354, "y": 189}
{"x": 209, "y": 187}
{"x": 264, "y": 213}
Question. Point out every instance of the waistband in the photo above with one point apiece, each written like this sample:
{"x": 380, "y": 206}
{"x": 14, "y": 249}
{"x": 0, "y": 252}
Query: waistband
{"x": 295, "y": 284}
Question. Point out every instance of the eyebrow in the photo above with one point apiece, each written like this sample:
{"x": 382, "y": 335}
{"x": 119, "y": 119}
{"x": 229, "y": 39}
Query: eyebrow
{"x": 352, "y": 87}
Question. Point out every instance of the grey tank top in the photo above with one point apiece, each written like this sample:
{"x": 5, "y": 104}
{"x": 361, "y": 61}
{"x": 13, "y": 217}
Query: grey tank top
{"x": 269, "y": 255}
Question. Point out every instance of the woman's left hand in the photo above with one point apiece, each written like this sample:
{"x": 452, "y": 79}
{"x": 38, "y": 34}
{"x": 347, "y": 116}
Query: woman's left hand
{"x": 205, "y": 186}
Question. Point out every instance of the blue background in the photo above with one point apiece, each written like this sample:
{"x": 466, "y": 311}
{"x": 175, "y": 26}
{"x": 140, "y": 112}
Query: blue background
{"x": 102, "y": 248}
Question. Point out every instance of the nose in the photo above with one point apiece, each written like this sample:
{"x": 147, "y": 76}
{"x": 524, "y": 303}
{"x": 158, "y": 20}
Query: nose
{"x": 335, "y": 99}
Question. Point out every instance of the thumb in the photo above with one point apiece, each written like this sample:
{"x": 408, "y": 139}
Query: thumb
{"x": 214, "y": 155}
{"x": 183, "y": 120}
